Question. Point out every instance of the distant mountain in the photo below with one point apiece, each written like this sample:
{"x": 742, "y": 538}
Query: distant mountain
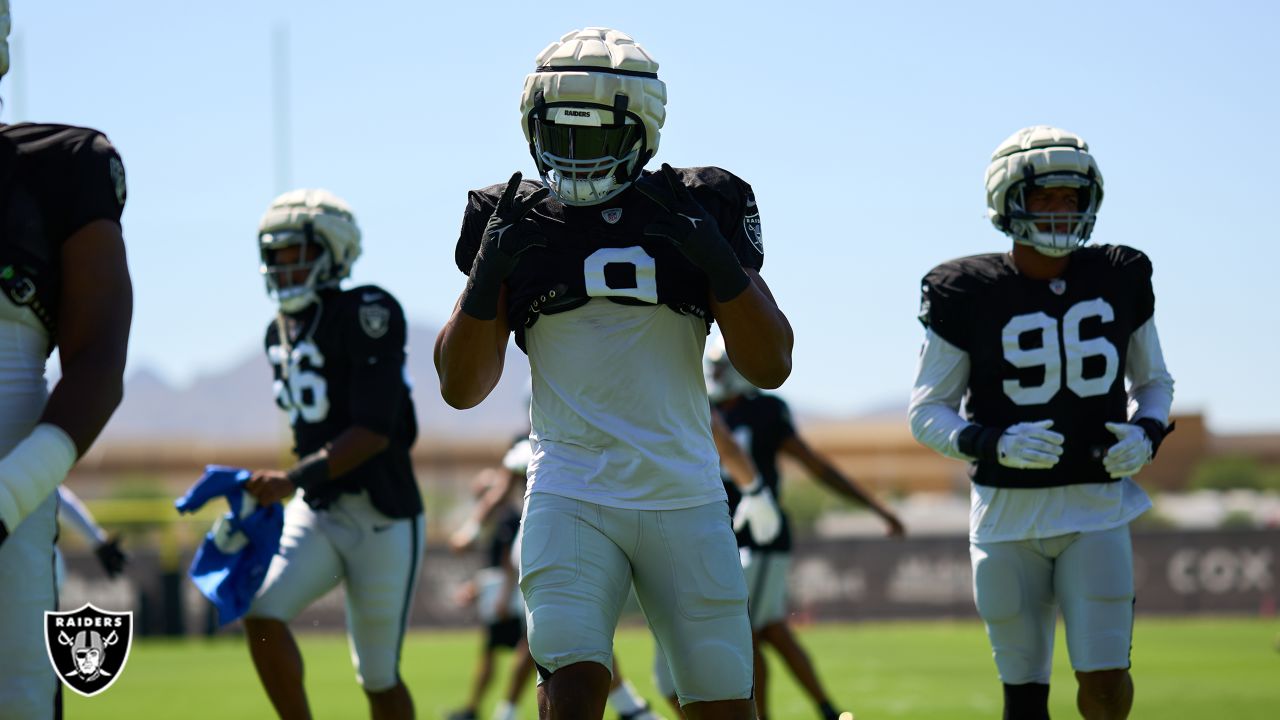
{"x": 236, "y": 405}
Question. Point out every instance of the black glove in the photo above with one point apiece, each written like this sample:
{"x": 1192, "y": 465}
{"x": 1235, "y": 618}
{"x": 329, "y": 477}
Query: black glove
{"x": 507, "y": 235}
{"x": 111, "y": 556}
{"x": 691, "y": 229}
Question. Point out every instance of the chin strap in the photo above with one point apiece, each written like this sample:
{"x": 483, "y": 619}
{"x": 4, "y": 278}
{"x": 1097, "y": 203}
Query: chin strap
{"x": 286, "y": 348}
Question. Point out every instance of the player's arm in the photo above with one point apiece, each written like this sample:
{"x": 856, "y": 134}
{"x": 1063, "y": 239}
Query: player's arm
{"x": 95, "y": 310}
{"x": 73, "y": 512}
{"x": 757, "y": 509}
{"x": 352, "y": 448}
{"x": 349, "y": 450}
{"x": 107, "y": 548}
{"x": 515, "y": 471}
{"x": 942, "y": 377}
{"x": 1151, "y": 385}
{"x": 494, "y": 496}
{"x": 739, "y": 467}
{"x": 757, "y": 335}
{"x": 824, "y": 472}
{"x": 472, "y": 346}
{"x": 470, "y": 353}
{"x": 1151, "y": 394}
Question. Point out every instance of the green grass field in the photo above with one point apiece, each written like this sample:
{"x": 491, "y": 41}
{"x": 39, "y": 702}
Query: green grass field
{"x": 1193, "y": 668}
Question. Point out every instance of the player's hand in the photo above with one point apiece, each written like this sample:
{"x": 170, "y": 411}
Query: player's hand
{"x": 894, "y": 527}
{"x": 691, "y": 228}
{"x": 111, "y": 556}
{"x": 1030, "y": 446}
{"x": 270, "y": 486}
{"x": 758, "y": 512}
{"x": 464, "y": 537}
{"x": 466, "y": 593}
{"x": 509, "y": 233}
{"x": 1130, "y": 453}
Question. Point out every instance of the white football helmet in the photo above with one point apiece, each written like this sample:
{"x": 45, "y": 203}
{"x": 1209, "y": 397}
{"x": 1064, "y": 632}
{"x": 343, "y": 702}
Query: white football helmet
{"x": 1043, "y": 156}
{"x": 307, "y": 219}
{"x": 5, "y": 26}
{"x": 723, "y": 379}
{"x": 592, "y": 112}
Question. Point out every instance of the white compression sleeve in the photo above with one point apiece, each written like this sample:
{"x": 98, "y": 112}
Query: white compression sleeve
{"x": 32, "y": 471}
{"x": 1151, "y": 385}
{"x": 941, "y": 381}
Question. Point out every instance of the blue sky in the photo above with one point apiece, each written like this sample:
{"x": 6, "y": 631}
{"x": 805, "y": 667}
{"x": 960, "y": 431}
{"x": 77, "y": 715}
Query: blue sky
{"x": 865, "y": 130}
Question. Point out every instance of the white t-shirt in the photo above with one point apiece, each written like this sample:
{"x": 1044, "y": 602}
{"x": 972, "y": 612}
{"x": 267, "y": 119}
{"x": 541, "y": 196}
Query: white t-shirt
{"x": 998, "y": 514}
{"x": 620, "y": 413}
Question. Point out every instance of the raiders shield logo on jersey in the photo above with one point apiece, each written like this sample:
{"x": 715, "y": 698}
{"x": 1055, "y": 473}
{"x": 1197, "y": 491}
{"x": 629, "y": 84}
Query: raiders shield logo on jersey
{"x": 751, "y": 224}
{"x": 88, "y": 647}
{"x": 117, "y": 179}
{"x": 375, "y": 320}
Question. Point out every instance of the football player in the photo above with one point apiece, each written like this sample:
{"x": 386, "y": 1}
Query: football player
{"x": 610, "y": 277}
{"x": 338, "y": 357}
{"x": 761, "y": 423}
{"x": 494, "y": 590}
{"x": 65, "y": 284}
{"x": 1037, "y": 342}
{"x": 494, "y": 501}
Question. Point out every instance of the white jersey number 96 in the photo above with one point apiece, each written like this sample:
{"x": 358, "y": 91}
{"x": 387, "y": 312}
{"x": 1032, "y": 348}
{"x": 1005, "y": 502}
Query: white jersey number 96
{"x": 1056, "y": 346}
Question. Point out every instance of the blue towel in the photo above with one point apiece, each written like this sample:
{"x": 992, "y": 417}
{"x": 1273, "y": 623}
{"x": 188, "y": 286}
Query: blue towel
{"x": 231, "y": 579}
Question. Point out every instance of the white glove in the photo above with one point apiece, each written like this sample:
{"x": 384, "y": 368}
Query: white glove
{"x": 1126, "y": 457}
{"x": 1030, "y": 446}
{"x": 758, "y": 511}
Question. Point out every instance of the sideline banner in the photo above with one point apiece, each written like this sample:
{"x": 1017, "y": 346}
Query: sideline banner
{"x": 848, "y": 579}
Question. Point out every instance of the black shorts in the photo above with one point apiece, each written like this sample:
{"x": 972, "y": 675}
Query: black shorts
{"x": 506, "y": 633}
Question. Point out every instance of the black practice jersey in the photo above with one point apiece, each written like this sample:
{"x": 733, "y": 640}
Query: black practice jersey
{"x": 54, "y": 180}
{"x": 345, "y": 366}
{"x": 602, "y": 251}
{"x": 1044, "y": 350}
{"x": 505, "y": 529}
{"x": 760, "y": 423}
